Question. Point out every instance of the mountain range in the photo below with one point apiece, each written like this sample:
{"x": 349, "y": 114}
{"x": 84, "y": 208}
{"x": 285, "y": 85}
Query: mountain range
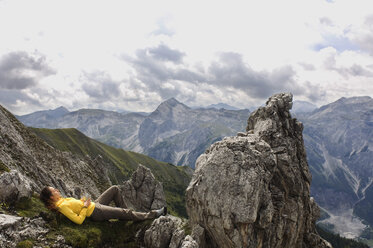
{"x": 173, "y": 133}
{"x": 339, "y": 143}
{"x": 337, "y": 136}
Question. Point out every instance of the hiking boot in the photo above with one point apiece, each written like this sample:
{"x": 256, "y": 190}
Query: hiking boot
{"x": 161, "y": 212}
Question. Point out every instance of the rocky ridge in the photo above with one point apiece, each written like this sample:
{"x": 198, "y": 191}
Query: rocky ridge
{"x": 37, "y": 164}
{"x": 253, "y": 189}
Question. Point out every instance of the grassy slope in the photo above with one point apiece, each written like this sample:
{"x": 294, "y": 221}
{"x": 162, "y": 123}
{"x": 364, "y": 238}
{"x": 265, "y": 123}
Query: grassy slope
{"x": 174, "y": 178}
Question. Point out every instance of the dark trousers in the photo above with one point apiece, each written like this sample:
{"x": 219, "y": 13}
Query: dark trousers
{"x": 104, "y": 212}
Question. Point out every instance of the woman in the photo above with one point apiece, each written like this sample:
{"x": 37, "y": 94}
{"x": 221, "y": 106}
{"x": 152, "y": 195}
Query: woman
{"x": 77, "y": 210}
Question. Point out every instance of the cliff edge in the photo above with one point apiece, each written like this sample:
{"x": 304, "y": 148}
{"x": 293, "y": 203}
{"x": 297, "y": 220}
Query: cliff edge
{"x": 253, "y": 189}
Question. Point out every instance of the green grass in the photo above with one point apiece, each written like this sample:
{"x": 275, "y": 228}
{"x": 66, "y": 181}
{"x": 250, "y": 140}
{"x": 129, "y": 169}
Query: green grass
{"x": 112, "y": 233}
{"x": 25, "y": 244}
{"x": 122, "y": 163}
{"x": 30, "y": 207}
{"x": 3, "y": 167}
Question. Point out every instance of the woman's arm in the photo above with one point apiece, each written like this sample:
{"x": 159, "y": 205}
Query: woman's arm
{"x": 78, "y": 219}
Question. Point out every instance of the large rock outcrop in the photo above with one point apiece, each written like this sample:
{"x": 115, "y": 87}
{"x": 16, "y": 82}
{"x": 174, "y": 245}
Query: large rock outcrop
{"x": 143, "y": 192}
{"x": 253, "y": 189}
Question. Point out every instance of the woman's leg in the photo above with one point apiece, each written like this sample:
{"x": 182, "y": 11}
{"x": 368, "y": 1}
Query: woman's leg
{"x": 112, "y": 194}
{"x": 103, "y": 212}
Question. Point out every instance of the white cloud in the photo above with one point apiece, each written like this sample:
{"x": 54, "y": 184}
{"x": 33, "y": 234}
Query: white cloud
{"x": 181, "y": 41}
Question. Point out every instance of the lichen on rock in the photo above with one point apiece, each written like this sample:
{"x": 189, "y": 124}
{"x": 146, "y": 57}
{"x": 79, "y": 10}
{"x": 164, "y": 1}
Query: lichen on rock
{"x": 253, "y": 189}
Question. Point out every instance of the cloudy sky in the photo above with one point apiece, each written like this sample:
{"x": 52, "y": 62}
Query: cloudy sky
{"x": 132, "y": 55}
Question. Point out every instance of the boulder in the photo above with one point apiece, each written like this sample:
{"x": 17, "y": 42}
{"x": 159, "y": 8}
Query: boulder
{"x": 143, "y": 192}
{"x": 14, "y": 186}
{"x": 167, "y": 232}
{"x": 253, "y": 189}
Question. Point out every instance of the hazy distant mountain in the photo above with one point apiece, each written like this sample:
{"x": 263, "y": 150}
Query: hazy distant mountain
{"x": 222, "y": 106}
{"x": 179, "y": 134}
{"x": 173, "y": 133}
{"x": 303, "y": 107}
{"x": 339, "y": 144}
{"x": 42, "y": 118}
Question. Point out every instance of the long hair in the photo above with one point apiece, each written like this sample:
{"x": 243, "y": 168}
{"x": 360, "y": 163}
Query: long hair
{"x": 45, "y": 197}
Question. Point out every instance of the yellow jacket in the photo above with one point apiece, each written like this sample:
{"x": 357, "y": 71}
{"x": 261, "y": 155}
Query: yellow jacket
{"x": 73, "y": 209}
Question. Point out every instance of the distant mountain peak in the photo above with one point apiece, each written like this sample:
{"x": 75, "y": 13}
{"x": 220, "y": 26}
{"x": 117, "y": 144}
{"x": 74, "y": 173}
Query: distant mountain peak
{"x": 172, "y": 102}
{"x": 354, "y": 99}
{"x": 61, "y": 108}
{"x": 221, "y": 105}
{"x": 303, "y": 107}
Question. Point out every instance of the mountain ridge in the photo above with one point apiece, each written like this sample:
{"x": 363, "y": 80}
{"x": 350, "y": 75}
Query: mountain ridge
{"x": 165, "y": 134}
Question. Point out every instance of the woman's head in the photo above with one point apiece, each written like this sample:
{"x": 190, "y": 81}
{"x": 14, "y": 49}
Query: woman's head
{"x": 49, "y": 196}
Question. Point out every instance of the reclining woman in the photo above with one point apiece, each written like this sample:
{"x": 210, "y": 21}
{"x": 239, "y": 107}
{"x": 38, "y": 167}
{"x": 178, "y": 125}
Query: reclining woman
{"x": 77, "y": 210}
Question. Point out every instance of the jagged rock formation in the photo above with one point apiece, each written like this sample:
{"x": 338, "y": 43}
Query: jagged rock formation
{"x": 142, "y": 192}
{"x": 253, "y": 190}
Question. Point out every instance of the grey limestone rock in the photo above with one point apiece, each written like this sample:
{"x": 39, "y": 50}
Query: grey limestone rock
{"x": 161, "y": 232}
{"x": 143, "y": 192}
{"x": 14, "y": 229}
{"x": 7, "y": 221}
{"x": 189, "y": 242}
{"x": 253, "y": 189}
{"x": 14, "y": 186}
{"x": 167, "y": 232}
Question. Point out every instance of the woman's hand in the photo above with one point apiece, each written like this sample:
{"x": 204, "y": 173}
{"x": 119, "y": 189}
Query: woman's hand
{"x": 87, "y": 203}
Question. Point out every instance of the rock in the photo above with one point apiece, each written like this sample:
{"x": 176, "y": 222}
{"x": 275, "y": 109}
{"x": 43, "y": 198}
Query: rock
{"x": 167, "y": 232}
{"x": 189, "y": 242}
{"x": 14, "y": 186}
{"x": 161, "y": 232}
{"x": 7, "y": 221}
{"x": 253, "y": 190}
{"x": 15, "y": 229}
{"x": 143, "y": 192}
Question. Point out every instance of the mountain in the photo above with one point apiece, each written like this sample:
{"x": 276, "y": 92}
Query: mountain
{"x": 42, "y": 118}
{"x": 339, "y": 143}
{"x": 176, "y": 133}
{"x": 222, "y": 106}
{"x": 303, "y": 107}
{"x": 172, "y": 133}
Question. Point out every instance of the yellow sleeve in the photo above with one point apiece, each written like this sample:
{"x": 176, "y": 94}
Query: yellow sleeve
{"x": 78, "y": 219}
